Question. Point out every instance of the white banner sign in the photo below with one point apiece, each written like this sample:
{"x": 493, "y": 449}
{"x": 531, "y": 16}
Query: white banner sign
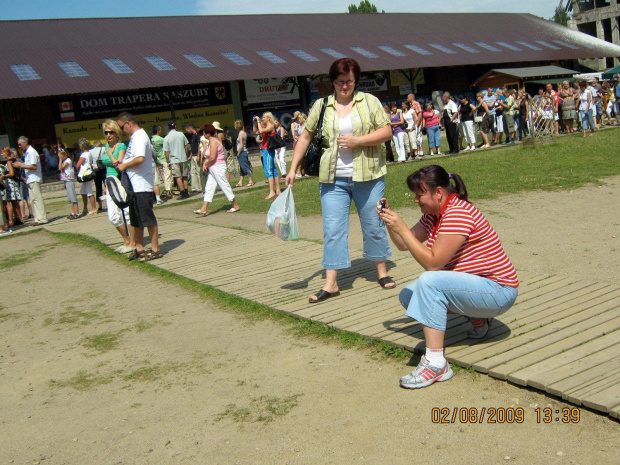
{"x": 268, "y": 90}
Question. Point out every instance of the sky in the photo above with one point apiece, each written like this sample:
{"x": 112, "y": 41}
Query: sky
{"x": 50, "y": 9}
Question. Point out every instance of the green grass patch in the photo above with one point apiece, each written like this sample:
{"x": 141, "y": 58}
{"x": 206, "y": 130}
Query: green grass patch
{"x": 83, "y": 381}
{"x": 103, "y": 342}
{"x": 568, "y": 163}
{"x": 77, "y": 317}
{"x": 263, "y": 409}
{"x": 21, "y": 258}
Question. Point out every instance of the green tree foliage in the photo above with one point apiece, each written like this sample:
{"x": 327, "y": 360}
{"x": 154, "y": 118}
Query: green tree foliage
{"x": 364, "y": 7}
{"x": 562, "y": 12}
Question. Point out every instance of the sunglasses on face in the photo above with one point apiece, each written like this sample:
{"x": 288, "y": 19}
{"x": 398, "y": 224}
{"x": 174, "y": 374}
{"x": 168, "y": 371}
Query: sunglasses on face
{"x": 109, "y": 133}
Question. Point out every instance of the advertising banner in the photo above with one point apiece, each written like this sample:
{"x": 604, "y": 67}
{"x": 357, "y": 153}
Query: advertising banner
{"x": 81, "y": 115}
{"x": 271, "y": 92}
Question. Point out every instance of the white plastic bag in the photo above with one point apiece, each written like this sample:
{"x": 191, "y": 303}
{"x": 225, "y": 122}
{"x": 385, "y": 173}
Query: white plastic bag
{"x": 281, "y": 218}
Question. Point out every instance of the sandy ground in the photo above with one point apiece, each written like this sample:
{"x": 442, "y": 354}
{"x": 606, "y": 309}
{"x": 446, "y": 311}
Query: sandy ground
{"x": 102, "y": 363}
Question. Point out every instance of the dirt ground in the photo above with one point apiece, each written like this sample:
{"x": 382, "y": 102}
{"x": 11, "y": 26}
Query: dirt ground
{"x": 102, "y": 363}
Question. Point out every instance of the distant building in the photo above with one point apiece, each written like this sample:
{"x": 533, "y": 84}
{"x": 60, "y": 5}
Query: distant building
{"x": 600, "y": 19}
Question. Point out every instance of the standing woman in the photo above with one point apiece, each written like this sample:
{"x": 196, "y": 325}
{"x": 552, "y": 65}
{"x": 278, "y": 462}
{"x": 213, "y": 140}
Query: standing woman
{"x": 398, "y": 133}
{"x": 114, "y": 153}
{"x": 294, "y": 125}
{"x": 12, "y": 179}
{"x": 352, "y": 168}
{"x": 245, "y": 169}
{"x": 86, "y": 161}
{"x": 483, "y": 119}
{"x": 585, "y": 108}
{"x": 430, "y": 121}
{"x": 410, "y": 132}
{"x": 466, "y": 112}
{"x": 301, "y": 125}
{"x": 265, "y": 127}
{"x": 467, "y": 269}
{"x": 215, "y": 163}
{"x": 568, "y": 106}
{"x": 279, "y": 157}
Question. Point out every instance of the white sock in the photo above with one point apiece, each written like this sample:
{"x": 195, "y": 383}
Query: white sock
{"x": 435, "y": 357}
{"x": 158, "y": 198}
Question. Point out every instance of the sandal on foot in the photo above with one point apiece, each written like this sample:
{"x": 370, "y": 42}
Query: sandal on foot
{"x": 238, "y": 185}
{"x": 150, "y": 255}
{"x": 386, "y": 281}
{"x": 233, "y": 210}
{"x": 249, "y": 184}
{"x": 322, "y": 295}
{"x": 136, "y": 254}
{"x": 199, "y": 213}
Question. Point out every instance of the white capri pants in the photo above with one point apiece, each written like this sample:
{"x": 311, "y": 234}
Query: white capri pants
{"x": 114, "y": 213}
{"x": 87, "y": 188}
{"x": 468, "y": 131}
{"x": 280, "y": 161}
{"x": 399, "y": 143}
{"x": 217, "y": 177}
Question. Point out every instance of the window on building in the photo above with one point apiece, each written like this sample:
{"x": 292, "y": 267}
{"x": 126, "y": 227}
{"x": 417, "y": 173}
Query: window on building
{"x": 160, "y": 64}
{"x": 118, "y": 66}
{"x": 72, "y": 69}
{"x": 25, "y": 72}
{"x": 236, "y": 58}
{"x": 270, "y": 56}
{"x": 199, "y": 61}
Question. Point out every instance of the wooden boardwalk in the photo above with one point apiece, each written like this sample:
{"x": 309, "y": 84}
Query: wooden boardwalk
{"x": 562, "y": 336}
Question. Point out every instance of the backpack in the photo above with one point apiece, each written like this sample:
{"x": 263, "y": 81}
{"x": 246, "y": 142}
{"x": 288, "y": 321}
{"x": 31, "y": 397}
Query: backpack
{"x": 228, "y": 144}
{"x": 120, "y": 190}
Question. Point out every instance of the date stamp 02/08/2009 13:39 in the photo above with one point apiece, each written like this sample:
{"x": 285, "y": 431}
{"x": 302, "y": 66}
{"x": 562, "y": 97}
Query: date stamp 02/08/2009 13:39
{"x": 503, "y": 415}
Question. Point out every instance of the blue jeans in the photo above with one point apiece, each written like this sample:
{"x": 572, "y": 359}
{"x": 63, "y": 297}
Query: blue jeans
{"x": 587, "y": 120}
{"x": 335, "y": 204}
{"x": 434, "y": 137}
{"x": 429, "y": 298}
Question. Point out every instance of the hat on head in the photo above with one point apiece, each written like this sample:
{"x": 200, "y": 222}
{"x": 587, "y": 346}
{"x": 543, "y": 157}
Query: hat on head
{"x": 296, "y": 114}
{"x": 172, "y": 125}
{"x": 216, "y": 125}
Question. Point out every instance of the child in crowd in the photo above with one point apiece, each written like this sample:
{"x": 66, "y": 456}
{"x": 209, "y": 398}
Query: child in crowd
{"x": 86, "y": 163}
{"x": 67, "y": 174}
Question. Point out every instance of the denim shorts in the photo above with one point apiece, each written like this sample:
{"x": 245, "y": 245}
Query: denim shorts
{"x": 335, "y": 205}
{"x": 429, "y": 298}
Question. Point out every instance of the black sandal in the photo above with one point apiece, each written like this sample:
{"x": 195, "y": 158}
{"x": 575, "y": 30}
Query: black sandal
{"x": 135, "y": 254}
{"x": 150, "y": 255}
{"x": 385, "y": 281}
{"x": 322, "y": 295}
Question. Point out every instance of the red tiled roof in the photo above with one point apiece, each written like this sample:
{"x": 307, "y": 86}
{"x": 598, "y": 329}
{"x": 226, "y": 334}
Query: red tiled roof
{"x": 440, "y": 40}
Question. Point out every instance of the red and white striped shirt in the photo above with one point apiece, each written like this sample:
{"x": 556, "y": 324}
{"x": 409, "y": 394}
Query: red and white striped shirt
{"x": 482, "y": 253}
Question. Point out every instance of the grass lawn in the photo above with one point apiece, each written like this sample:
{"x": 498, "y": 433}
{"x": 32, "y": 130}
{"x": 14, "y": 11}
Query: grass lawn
{"x": 569, "y": 163}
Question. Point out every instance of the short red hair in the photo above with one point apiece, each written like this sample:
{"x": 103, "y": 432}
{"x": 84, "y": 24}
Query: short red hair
{"x": 345, "y": 66}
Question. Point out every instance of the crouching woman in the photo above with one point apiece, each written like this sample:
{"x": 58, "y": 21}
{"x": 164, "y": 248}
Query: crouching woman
{"x": 467, "y": 270}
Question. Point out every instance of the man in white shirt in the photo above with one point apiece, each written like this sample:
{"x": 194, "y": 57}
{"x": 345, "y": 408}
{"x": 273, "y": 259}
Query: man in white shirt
{"x": 138, "y": 163}
{"x": 176, "y": 147}
{"x": 32, "y": 168}
{"x": 450, "y": 114}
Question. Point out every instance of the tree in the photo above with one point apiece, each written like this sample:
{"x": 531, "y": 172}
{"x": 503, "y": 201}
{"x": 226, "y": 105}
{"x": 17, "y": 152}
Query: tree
{"x": 562, "y": 15}
{"x": 364, "y": 7}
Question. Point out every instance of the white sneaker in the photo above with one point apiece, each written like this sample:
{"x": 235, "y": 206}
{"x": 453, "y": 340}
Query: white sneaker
{"x": 465, "y": 150}
{"x": 472, "y": 148}
{"x": 425, "y": 375}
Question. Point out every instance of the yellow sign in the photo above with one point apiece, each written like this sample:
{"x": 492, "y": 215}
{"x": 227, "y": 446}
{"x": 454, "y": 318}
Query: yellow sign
{"x": 399, "y": 79}
{"x": 70, "y": 133}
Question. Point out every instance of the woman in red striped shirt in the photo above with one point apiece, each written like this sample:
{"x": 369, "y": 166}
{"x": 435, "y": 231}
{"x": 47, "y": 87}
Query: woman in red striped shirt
{"x": 467, "y": 270}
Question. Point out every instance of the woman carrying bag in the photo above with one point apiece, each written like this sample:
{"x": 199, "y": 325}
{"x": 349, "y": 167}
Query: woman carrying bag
{"x": 352, "y": 167}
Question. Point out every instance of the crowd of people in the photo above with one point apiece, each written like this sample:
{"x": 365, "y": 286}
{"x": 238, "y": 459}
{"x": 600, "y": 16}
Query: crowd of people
{"x": 467, "y": 271}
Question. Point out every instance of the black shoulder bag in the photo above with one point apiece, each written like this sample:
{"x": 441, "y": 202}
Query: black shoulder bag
{"x": 315, "y": 149}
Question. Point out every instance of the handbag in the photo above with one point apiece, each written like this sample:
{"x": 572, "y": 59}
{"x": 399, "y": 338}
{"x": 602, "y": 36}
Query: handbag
{"x": 315, "y": 148}
{"x": 424, "y": 131}
{"x": 275, "y": 142}
{"x": 404, "y": 126}
{"x": 477, "y": 119}
{"x": 86, "y": 173}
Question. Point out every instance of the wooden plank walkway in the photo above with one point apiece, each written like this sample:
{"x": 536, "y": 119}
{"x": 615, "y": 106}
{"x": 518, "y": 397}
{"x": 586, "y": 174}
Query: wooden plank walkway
{"x": 562, "y": 336}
